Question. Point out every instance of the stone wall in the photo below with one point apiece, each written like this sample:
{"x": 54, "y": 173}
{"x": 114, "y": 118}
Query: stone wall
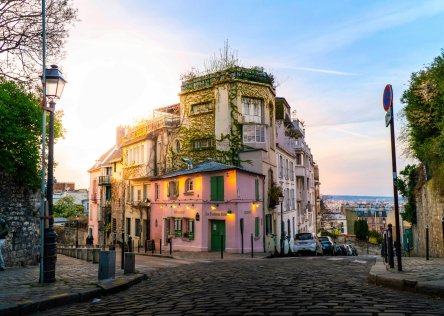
{"x": 19, "y": 207}
{"x": 67, "y": 234}
{"x": 430, "y": 210}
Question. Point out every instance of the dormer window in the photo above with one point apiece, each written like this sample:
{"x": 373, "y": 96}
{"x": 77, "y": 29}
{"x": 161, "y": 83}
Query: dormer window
{"x": 173, "y": 189}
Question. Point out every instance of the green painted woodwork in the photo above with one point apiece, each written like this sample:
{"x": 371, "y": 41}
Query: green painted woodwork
{"x": 217, "y": 229}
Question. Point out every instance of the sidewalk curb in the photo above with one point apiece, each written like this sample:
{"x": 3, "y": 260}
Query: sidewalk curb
{"x": 83, "y": 295}
{"x": 379, "y": 275}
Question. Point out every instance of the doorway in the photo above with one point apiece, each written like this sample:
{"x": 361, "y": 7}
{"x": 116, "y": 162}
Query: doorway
{"x": 217, "y": 229}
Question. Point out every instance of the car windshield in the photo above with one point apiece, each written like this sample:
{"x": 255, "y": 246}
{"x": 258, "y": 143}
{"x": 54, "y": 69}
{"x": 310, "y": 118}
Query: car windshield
{"x": 324, "y": 239}
{"x": 304, "y": 236}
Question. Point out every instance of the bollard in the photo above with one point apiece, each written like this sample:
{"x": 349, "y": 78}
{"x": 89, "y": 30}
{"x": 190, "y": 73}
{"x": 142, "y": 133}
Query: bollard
{"x": 83, "y": 253}
{"x": 221, "y": 246}
{"x": 107, "y": 265}
{"x": 171, "y": 246}
{"x": 96, "y": 255}
{"x": 252, "y": 252}
{"x": 408, "y": 246}
{"x": 130, "y": 263}
{"x": 390, "y": 246}
{"x": 427, "y": 242}
{"x": 78, "y": 253}
{"x": 89, "y": 254}
{"x": 122, "y": 254}
{"x": 130, "y": 244}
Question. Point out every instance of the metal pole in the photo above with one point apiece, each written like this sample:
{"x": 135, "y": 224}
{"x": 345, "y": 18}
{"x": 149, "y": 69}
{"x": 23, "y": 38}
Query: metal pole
{"x": 160, "y": 246}
{"x": 242, "y": 234}
{"x": 395, "y": 190}
{"x": 221, "y": 246}
{"x": 252, "y": 252}
{"x": 385, "y": 246}
{"x": 77, "y": 233}
{"x": 390, "y": 246}
{"x": 122, "y": 259}
{"x": 427, "y": 242}
{"x": 171, "y": 246}
{"x": 43, "y": 186}
{"x": 50, "y": 235}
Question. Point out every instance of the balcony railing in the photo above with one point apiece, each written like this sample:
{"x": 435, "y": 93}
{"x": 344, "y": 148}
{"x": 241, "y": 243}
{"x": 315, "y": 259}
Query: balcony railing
{"x": 105, "y": 180}
{"x": 149, "y": 126}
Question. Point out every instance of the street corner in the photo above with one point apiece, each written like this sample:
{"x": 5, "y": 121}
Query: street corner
{"x": 112, "y": 286}
{"x": 434, "y": 288}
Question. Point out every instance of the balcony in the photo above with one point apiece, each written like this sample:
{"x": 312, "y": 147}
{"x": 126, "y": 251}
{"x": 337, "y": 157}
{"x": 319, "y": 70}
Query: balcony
{"x": 105, "y": 180}
{"x": 105, "y": 204}
{"x": 149, "y": 126}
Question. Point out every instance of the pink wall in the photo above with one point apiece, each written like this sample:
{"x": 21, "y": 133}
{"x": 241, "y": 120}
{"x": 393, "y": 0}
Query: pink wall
{"x": 186, "y": 206}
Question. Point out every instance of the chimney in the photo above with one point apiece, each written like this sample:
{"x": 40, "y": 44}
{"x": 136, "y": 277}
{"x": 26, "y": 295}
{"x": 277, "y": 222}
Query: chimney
{"x": 120, "y": 132}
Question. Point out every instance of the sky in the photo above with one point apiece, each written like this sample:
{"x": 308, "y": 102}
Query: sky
{"x": 332, "y": 60}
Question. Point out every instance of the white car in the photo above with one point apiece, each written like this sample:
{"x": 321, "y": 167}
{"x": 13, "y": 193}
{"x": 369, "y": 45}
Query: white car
{"x": 307, "y": 243}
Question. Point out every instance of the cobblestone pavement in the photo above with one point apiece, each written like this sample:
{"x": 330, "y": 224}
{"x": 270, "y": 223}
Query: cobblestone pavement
{"x": 280, "y": 286}
{"x": 422, "y": 269}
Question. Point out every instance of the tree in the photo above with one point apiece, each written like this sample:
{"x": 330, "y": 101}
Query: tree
{"x": 65, "y": 207}
{"x": 21, "y": 36}
{"x": 20, "y": 133}
{"x": 424, "y": 113}
{"x": 361, "y": 229}
{"x": 406, "y": 186}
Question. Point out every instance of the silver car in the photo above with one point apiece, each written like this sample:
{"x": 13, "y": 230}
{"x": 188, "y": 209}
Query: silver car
{"x": 307, "y": 243}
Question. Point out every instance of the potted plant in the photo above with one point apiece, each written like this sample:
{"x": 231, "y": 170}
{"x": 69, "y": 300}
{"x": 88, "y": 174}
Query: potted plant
{"x": 273, "y": 195}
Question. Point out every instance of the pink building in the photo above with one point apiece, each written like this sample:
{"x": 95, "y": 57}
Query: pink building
{"x": 196, "y": 206}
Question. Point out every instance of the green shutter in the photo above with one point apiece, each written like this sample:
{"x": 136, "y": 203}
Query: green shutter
{"x": 176, "y": 189}
{"x": 168, "y": 189}
{"x": 256, "y": 226}
{"x": 256, "y": 182}
{"x": 213, "y": 188}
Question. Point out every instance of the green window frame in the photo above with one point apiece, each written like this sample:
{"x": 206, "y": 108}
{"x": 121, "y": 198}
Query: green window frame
{"x": 178, "y": 227}
{"x": 190, "y": 228}
{"x": 256, "y": 226}
{"x": 217, "y": 188}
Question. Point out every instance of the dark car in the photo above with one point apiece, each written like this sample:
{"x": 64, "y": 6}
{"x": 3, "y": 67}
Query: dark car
{"x": 327, "y": 245}
{"x": 340, "y": 250}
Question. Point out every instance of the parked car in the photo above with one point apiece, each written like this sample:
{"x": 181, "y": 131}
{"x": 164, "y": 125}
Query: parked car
{"x": 340, "y": 250}
{"x": 327, "y": 245}
{"x": 307, "y": 243}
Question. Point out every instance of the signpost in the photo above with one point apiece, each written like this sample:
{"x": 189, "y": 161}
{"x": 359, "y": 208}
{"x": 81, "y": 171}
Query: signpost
{"x": 387, "y": 102}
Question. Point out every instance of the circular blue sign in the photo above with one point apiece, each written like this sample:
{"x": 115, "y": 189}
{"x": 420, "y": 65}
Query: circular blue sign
{"x": 387, "y": 97}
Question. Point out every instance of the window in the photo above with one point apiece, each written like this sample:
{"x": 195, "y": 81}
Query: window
{"x": 189, "y": 185}
{"x": 286, "y": 168}
{"x": 177, "y": 146}
{"x": 172, "y": 189}
{"x": 138, "y": 228}
{"x": 256, "y": 226}
{"x": 291, "y": 169}
{"x": 189, "y": 233}
{"x": 139, "y": 195}
{"x": 107, "y": 193}
{"x": 156, "y": 191}
{"x": 299, "y": 160}
{"x": 146, "y": 194}
{"x": 256, "y": 188}
{"x": 142, "y": 154}
{"x": 217, "y": 188}
{"x": 281, "y": 167}
{"x": 178, "y": 227}
{"x": 202, "y": 143}
{"x": 128, "y": 226}
{"x": 268, "y": 224}
{"x": 252, "y": 110}
{"x": 288, "y": 227}
{"x": 132, "y": 193}
{"x": 201, "y": 108}
{"x": 292, "y": 199}
{"x": 287, "y": 199}
{"x": 254, "y": 133}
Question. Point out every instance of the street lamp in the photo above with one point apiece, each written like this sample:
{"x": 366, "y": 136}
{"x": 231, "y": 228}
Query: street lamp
{"x": 53, "y": 84}
{"x": 77, "y": 232}
{"x": 281, "y": 201}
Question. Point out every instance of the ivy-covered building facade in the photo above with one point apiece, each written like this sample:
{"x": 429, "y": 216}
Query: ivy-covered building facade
{"x": 228, "y": 117}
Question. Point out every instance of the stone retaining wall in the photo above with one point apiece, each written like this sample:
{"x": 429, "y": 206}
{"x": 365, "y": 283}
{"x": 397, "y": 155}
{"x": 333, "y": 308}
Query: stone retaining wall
{"x": 430, "y": 211}
{"x": 20, "y": 208}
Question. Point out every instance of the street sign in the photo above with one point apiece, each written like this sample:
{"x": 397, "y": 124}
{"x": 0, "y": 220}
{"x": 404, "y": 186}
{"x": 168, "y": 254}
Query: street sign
{"x": 387, "y": 98}
{"x": 388, "y": 118}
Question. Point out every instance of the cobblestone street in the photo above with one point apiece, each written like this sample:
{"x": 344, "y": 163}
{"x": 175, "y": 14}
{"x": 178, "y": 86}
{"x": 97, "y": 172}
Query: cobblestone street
{"x": 287, "y": 286}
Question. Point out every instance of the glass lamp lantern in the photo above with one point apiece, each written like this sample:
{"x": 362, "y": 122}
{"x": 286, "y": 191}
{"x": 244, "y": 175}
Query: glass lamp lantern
{"x": 54, "y": 82}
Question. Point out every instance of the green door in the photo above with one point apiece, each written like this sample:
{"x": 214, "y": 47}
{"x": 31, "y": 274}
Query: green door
{"x": 217, "y": 229}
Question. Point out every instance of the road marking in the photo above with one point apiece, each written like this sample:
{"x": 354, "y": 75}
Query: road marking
{"x": 360, "y": 261}
{"x": 335, "y": 259}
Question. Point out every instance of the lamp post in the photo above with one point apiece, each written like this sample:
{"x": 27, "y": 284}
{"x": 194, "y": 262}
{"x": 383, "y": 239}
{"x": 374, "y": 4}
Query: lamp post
{"x": 53, "y": 84}
{"x": 281, "y": 201}
{"x": 77, "y": 232}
